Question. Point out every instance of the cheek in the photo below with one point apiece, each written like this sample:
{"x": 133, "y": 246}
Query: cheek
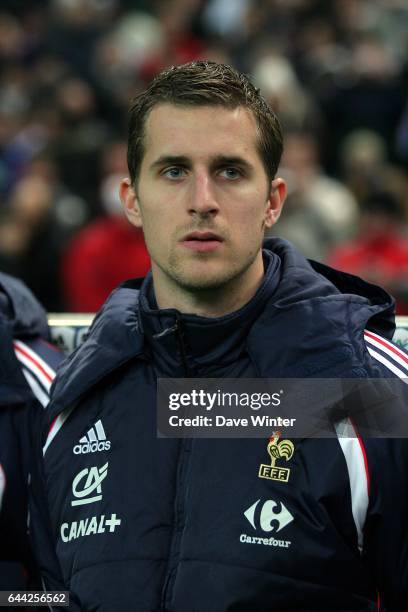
{"x": 157, "y": 229}
{"x": 253, "y": 200}
{"x": 251, "y": 218}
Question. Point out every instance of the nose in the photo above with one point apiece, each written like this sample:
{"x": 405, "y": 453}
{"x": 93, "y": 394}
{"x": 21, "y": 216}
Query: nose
{"x": 203, "y": 200}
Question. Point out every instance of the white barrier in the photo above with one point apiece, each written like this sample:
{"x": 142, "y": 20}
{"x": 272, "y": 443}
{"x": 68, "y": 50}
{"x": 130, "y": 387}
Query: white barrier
{"x": 68, "y": 330}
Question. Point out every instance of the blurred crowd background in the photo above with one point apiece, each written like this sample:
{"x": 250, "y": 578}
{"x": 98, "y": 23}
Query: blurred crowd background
{"x": 335, "y": 71}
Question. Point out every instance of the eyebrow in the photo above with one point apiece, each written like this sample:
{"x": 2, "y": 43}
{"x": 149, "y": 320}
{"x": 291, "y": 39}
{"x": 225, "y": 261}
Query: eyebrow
{"x": 165, "y": 160}
{"x": 219, "y": 160}
{"x": 234, "y": 160}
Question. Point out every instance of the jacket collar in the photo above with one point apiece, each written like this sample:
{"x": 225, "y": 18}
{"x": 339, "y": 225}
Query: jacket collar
{"x": 309, "y": 322}
{"x": 126, "y": 326}
{"x": 113, "y": 339}
{"x": 315, "y": 324}
{"x": 189, "y": 344}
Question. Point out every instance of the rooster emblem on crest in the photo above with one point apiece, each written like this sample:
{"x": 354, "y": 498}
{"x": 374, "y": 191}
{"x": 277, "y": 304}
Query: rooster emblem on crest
{"x": 278, "y": 450}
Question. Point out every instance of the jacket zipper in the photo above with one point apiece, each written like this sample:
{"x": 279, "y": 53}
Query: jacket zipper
{"x": 181, "y": 484}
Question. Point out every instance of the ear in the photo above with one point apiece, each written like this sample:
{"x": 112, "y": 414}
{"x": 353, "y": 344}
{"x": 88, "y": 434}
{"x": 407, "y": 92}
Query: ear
{"x": 130, "y": 202}
{"x": 275, "y": 202}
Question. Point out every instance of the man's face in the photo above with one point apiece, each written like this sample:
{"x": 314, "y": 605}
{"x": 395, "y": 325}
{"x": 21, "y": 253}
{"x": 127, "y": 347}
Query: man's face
{"x": 203, "y": 197}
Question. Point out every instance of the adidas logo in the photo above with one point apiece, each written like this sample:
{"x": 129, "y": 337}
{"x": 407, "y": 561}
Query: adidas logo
{"x": 93, "y": 442}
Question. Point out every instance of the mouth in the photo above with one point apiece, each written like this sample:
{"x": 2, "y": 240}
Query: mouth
{"x": 202, "y": 242}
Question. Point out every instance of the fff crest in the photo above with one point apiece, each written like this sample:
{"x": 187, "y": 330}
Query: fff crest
{"x": 282, "y": 449}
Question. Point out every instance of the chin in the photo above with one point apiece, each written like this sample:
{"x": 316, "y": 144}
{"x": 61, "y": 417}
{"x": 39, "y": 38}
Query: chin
{"x": 200, "y": 284}
{"x": 204, "y": 282}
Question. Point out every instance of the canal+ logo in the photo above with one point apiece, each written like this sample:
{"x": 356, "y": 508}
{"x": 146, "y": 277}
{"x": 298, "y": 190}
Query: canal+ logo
{"x": 94, "y": 441}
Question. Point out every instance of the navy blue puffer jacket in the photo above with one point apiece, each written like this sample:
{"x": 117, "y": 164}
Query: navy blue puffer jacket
{"x": 147, "y": 525}
{"x": 27, "y": 369}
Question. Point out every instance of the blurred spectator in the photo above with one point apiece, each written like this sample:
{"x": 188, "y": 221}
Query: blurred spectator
{"x": 75, "y": 28}
{"x": 78, "y": 145}
{"x": 402, "y": 136}
{"x": 379, "y": 252}
{"x": 225, "y": 18}
{"x": 370, "y": 95}
{"x": 29, "y": 240}
{"x": 319, "y": 210}
{"x": 279, "y": 84}
{"x": 337, "y": 70}
{"x": 366, "y": 169}
{"x": 135, "y": 40}
{"x": 39, "y": 217}
{"x": 109, "y": 250}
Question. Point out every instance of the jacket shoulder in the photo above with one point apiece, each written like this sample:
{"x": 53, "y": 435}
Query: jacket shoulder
{"x": 113, "y": 338}
{"x": 386, "y": 357}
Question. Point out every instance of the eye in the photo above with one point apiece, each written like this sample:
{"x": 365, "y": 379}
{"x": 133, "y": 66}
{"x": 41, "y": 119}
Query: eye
{"x": 231, "y": 173}
{"x": 174, "y": 173}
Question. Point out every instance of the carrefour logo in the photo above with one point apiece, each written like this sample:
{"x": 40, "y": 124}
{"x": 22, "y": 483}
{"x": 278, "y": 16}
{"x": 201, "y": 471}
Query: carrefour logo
{"x": 270, "y": 517}
{"x": 273, "y": 516}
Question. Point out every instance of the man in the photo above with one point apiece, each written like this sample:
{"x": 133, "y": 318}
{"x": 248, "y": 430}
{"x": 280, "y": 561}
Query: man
{"x": 27, "y": 369}
{"x": 147, "y": 524}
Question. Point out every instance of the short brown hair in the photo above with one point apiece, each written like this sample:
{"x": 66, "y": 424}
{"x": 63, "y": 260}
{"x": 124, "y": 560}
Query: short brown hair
{"x": 204, "y": 83}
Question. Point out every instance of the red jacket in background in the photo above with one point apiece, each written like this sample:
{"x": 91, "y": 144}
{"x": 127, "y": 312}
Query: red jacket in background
{"x": 99, "y": 258}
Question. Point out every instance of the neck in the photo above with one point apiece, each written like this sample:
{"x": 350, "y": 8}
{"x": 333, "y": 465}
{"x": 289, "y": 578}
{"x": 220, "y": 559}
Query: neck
{"x": 211, "y": 302}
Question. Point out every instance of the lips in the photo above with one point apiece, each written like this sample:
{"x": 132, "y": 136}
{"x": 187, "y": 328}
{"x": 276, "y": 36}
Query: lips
{"x": 202, "y": 236}
{"x": 202, "y": 242}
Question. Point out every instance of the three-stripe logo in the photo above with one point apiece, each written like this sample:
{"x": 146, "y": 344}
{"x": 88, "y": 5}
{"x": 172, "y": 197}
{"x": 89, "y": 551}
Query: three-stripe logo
{"x": 93, "y": 441}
